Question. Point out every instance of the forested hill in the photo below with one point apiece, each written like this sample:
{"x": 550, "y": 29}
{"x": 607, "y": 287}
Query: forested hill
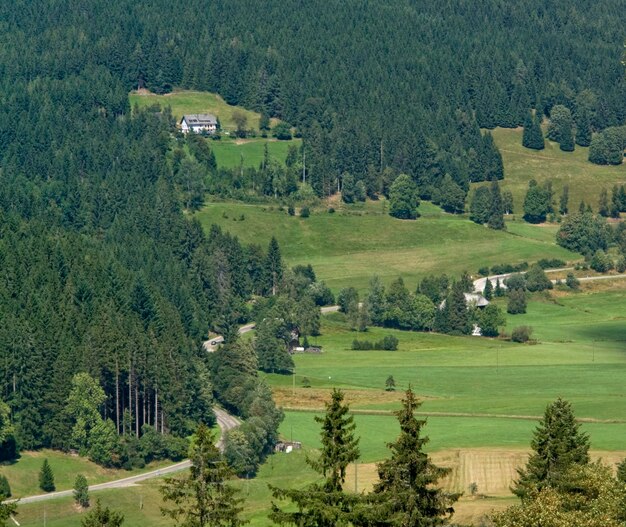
{"x": 100, "y": 270}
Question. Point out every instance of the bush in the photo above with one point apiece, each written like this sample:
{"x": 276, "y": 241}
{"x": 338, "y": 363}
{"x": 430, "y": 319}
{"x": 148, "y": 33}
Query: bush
{"x": 537, "y": 280}
{"x": 483, "y": 271}
{"x": 601, "y": 262}
{"x": 515, "y": 281}
{"x": 387, "y": 343}
{"x": 305, "y": 212}
{"x": 521, "y": 334}
{"x": 551, "y": 263}
{"x": 509, "y": 268}
{"x": 321, "y": 293}
{"x": 621, "y": 264}
{"x": 331, "y": 210}
{"x": 572, "y": 282}
{"x": 291, "y": 211}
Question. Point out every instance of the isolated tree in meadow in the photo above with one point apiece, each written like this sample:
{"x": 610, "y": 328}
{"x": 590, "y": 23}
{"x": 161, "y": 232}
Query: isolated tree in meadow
{"x": 203, "y": 497}
{"x": 572, "y": 282}
{"x": 407, "y": 493}
{"x": 324, "y": 504}
{"x": 102, "y": 517}
{"x": 46, "y": 477}
{"x": 403, "y": 198}
{"x": 7, "y": 511}
{"x": 81, "y": 491}
{"x": 557, "y": 445}
{"x": 517, "y": 302}
{"x": 390, "y": 384}
{"x": 537, "y": 203}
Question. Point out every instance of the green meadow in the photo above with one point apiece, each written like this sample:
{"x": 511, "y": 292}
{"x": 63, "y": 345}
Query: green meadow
{"x": 585, "y": 180}
{"x": 250, "y": 152}
{"x": 348, "y": 247}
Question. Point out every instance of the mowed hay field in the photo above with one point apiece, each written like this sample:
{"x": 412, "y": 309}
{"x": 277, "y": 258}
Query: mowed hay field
{"x": 585, "y": 180}
{"x": 348, "y": 248}
{"x": 249, "y": 152}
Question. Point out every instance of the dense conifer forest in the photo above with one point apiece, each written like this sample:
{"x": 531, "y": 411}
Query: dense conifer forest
{"x": 102, "y": 272}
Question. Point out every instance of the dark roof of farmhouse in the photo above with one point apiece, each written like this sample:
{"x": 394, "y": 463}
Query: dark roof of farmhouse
{"x": 199, "y": 119}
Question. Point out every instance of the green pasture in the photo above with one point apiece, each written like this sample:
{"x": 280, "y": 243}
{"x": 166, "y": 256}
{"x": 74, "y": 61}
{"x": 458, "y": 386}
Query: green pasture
{"x": 585, "y": 179}
{"x": 23, "y": 473}
{"x": 250, "y": 152}
{"x": 183, "y": 102}
{"x": 348, "y": 248}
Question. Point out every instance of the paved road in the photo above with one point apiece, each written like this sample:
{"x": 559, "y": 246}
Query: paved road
{"x": 224, "y": 420}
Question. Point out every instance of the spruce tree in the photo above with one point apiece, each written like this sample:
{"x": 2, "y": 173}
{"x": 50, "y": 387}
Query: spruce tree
{"x": 533, "y": 136}
{"x": 273, "y": 267}
{"x": 603, "y": 203}
{"x": 46, "y": 477}
{"x": 81, "y": 491}
{"x": 557, "y": 445}
{"x": 324, "y": 504}
{"x": 454, "y": 317}
{"x": 390, "y": 384}
{"x": 583, "y": 127}
{"x": 528, "y": 132}
{"x": 480, "y": 205}
{"x": 407, "y": 494}
{"x": 496, "y": 213}
{"x": 567, "y": 136}
{"x": 375, "y": 301}
{"x": 203, "y": 497}
{"x": 102, "y": 517}
{"x": 488, "y": 291}
{"x": 5, "y": 488}
{"x": 499, "y": 290}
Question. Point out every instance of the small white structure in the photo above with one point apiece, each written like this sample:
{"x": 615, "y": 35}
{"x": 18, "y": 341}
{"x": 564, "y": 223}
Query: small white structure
{"x": 198, "y": 123}
{"x": 472, "y": 300}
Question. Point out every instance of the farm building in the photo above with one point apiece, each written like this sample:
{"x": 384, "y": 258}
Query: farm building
{"x": 198, "y": 122}
{"x": 472, "y": 300}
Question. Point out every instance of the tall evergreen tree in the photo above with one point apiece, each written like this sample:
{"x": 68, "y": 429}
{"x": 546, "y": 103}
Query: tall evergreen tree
{"x": 454, "y": 316}
{"x": 324, "y": 504}
{"x": 407, "y": 494}
{"x": 533, "y": 136}
{"x": 583, "y": 127}
{"x": 273, "y": 267}
{"x": 46, "y": 477}
{"x": 557, "y": 444}
{"x": 488, "y": 290}
{"x": 81, "y": 491}
{"x": 564, "y": 200}
{"x": 480, "y": 205}
{"x": 203, "y": 498}
{"x": 102, "y": 517}
{"x": 603, "y": 204}
{"x": 375, "y": 301}
{"x": 496, "y": 212}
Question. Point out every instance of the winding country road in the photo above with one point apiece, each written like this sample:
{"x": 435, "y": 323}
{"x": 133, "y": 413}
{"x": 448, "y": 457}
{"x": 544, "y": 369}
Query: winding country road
{"x": 479, "y": 285}
{"x": 224, "y": 420}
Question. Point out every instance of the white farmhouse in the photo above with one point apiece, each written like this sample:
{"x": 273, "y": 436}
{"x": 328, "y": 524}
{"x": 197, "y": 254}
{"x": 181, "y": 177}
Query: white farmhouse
{"x": 198, "y": 122}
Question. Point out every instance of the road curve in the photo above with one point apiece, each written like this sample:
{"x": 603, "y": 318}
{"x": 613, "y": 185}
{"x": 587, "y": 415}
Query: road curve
{"x": 224, "y": 420}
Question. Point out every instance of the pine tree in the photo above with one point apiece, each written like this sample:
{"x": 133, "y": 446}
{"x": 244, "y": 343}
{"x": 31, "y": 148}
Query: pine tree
{"x": 203, "y": 498}
{"x": 375, "y": 301}
{"x": 5, "y": 488}
{"x": 81, "y": 491}
{"x": 325, "y": 504}
{"x": 407, "y": 494}
{"x": 558, "y": 444}
{"x": 488, "y": 291}
{"x": 533, "y": 136}
{"x": 499, "y": 290}
{"x": 603, "y": 203}
{"x": 273, "y": 267}
{"x": 583, "y": 127}
{"x": 496, "y": 213}
{"x": 390, "y": 384}
{"x": 100, "y": 517}
{"x": 46, "y": 477}
{"x": 454, "y": 317}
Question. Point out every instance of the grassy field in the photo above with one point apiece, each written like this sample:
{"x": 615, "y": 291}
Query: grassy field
{"x": 183, "y": 102}
{"x": 23, "y": 474}
{"x": 348, "y": 248}
{"x": 585, "y": 179}
{"x": 230, "y": 153}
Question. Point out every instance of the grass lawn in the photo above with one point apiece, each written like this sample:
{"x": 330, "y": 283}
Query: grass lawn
{"x": 230, "y": 153}
{"x": 349, "y": 247}
{"x": 521, "y": 164}
{"x": 23, "y": 474}
{"x": 183, "y": 102}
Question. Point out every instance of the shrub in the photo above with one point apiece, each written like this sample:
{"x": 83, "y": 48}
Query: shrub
{"x": 551, "y": 263}
{"x": 387, "y": 343}
{"x": 515, "y": 281}
{"x": 291, "y": 211}
{"x": 5, "y": 488}
{"x": 305, "y": 212}
{"x": 571, "y": 281}
{"x": 331, "y": 210}
{"x": 483, "y": 271}
{"x": 601, "y": 262}
{"x": 537, "y": 280}
{"x": 521, "y": 334}
{"x": 621, "y": 264}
